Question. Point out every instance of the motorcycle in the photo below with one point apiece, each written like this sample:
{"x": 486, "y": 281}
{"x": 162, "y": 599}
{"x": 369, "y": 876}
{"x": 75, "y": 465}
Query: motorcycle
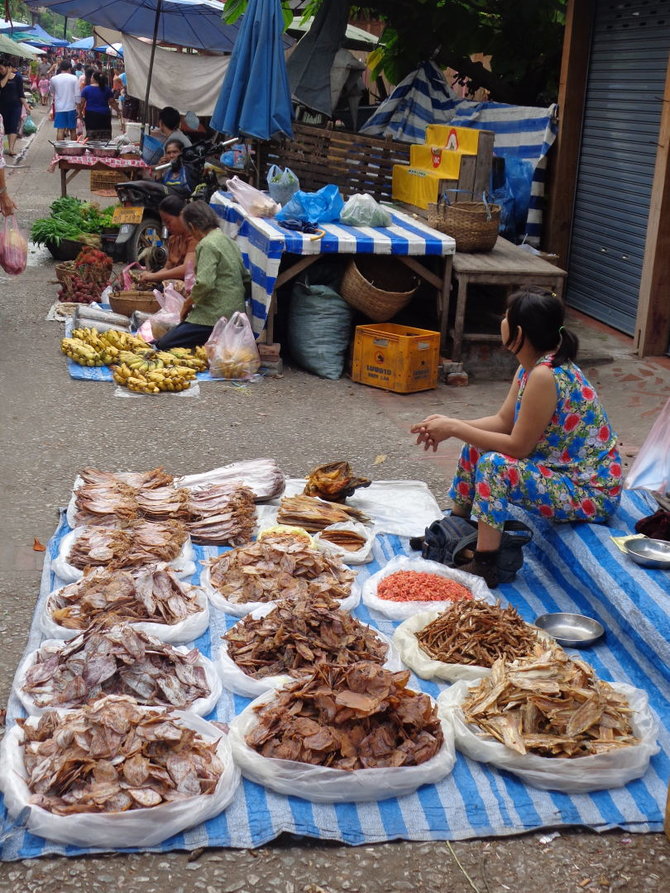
{"x": 140, "y": 224}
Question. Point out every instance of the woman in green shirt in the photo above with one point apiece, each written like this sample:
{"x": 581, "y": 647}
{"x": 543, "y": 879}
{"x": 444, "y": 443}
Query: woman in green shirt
{"x": 221, "y": 280}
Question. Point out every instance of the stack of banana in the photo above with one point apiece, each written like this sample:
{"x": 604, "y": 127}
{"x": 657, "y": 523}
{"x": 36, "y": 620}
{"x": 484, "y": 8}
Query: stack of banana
{"x": 88, "y": 347}
{"x": 147, "y": 377}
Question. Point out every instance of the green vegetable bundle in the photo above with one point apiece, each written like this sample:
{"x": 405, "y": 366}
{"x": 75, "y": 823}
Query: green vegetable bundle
{"x": 71, "y": 218}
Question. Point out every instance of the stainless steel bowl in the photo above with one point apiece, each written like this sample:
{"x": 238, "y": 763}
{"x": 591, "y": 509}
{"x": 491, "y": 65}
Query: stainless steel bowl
{"x": 649, "y": 552}
{"x": 102, "y": 150}
{"x": 68, "y": 147}
{"x": 571, "y": 630}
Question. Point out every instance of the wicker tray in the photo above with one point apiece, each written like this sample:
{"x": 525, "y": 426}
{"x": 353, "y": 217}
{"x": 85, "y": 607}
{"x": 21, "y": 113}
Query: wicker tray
{"x": 126, "y": 302}
{"x": 367, "y": 282}
{"x": 107, "y": 179}
{"x": 474, "y": 225}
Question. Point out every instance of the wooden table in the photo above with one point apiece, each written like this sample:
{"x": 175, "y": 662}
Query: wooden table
{"x": 507, "y": 265}
{"x": 70, "y": 165}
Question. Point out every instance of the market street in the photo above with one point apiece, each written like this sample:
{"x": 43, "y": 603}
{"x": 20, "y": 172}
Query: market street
{"x": 52, "y": 426}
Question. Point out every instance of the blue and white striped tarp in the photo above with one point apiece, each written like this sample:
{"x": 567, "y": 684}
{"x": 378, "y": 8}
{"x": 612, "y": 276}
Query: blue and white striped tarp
{"x": 567, "y": 568}
{"x": 263, "y": 242}
{"x": 523, "y": 132}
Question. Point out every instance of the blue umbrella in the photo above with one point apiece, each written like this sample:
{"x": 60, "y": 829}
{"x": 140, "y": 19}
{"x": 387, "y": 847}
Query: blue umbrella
{"x": 255, "y": 99}
{"x": 84, "y": 43}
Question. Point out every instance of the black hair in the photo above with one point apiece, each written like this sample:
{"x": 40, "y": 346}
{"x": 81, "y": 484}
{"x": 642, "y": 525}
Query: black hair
{"x": 174, "y": 142}
{"x": 101, "y": 79}
{"x": 170, "y": 117}
{"x": 538, "y": 315}
{"x": 200, "y": 216}
{"x": 172, "y": 205}
{"x": 65, "y": 65}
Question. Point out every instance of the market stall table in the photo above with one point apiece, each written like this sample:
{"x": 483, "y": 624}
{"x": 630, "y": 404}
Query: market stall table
{"x": 70, "y": 165}
{"x": 263, "y": 243}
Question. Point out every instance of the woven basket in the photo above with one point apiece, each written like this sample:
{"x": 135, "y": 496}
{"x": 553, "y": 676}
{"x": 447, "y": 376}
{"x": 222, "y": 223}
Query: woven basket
{"x": 474, "y": 225}
{"x": 107, "y": 179}
{"x": 126, "y": 302}
{"x": 367, "y": 282}
{"x": 65, "y": 273}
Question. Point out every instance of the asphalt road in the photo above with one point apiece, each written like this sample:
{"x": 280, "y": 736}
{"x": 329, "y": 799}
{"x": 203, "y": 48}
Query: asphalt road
{"x": 52, "y": 426}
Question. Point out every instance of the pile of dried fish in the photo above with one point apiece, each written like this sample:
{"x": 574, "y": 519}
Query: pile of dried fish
{"x": 334, "y": 481}
{"x": 163, "y": 503}
{"x": 262, "y": 476}
{"x": 138, "y": 480}
{"x": 116, "y": 661}
{"x": 357, "y": 717}
{"x": 279, "y": 566}
{"x": 348, "y": 540}
{"x": 142, "y": 542}
{"x": 550, "y": 705}
{"x": 115, "y": 756}
{"x": 112, "y": 504}
{"x": 221, "y": 514}
{"x": 146, "y": 594}
{"x": 296, "y": 635}
{"x": 315, "y": 514}
{"x": 477, "y": 634}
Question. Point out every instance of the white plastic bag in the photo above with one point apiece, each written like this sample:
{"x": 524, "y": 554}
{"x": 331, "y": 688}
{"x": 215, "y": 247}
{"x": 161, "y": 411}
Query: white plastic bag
{"x": 361, "y": 556}
{"x": 231, "y": 349}
{"x": 241, "y": 609}
{"x": 413, "y": 655}
{"x": 403, "y": 610}
{"x": 254, "y": 202}
{"x": 169, "y": 316}
{"x": 282, "y": 183}
{"x": 201, "y": 707}
{"x": 362, "y": 210}
{"x": 651, "y": 468}
{"x": 182, "y": 565}
{"x": 570, "y": 776}
{"x": 134, "y": 827}
{"x": 320, "y": 784}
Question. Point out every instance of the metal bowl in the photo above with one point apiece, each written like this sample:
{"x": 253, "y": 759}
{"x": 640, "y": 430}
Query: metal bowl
{"x": 102, "y": 149}
{"x": 649, "y": 552}
{"x": 68, "y": 147}
{"x": 571, "y": 630}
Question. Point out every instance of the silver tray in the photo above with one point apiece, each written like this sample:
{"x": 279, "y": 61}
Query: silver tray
{"x": 649, "y": 552}
{"x": 571, "y": 630}
{"x": 68, "y": 147}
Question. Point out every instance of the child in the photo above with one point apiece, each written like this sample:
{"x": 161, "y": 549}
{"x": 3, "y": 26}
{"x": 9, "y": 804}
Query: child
{"x": 44, "y": 90}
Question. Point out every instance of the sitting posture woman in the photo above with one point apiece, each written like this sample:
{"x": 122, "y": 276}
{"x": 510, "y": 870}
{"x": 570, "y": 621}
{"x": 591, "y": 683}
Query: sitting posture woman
{"x": 180, "y": 243}
{"x": 549, "y": 448}
{"x": 175, "y": 176}
{"x": 221, "y": 280}
{"x": 99, "y": 102}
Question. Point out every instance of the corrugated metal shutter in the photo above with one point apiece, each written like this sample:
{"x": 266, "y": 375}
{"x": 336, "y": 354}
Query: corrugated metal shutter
{"x": 629, "y": 58}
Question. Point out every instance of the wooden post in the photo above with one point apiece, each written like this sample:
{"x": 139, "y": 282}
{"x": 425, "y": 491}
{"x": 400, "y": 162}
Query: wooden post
{"x": 564, "y": 159}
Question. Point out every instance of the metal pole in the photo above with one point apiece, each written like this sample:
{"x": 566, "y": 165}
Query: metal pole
{"x": 151, "y": 71}
{"x": 65, "y": 29}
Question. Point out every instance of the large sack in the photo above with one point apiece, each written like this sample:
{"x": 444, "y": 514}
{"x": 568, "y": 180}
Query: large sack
{"x": 319, "y": 329}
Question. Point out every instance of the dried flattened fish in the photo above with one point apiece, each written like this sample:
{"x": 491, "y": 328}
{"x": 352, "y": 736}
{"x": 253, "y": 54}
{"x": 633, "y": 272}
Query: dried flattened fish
{"x": 141, "y": 542}
{"x": 314, "y": 514}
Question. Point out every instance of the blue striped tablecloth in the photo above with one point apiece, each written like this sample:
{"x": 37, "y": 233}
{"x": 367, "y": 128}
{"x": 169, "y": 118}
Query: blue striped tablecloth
{"x": 567, "y": 568}
{"x": 263, "y": 242}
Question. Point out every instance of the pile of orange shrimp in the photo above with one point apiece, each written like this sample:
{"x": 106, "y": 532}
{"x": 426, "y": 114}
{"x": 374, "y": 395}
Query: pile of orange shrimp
{"x": 418, "y": 586}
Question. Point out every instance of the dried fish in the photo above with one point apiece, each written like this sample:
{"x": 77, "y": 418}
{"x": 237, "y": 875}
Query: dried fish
{"x": 221, "y": 514}
{"x": 111, "y": 504}
{"x": 314, "y": 514}
{"x": 114, "y": 756}
{"x": 297, "y": 634}
{"x": 163, "y": 503}
{"x": 115, "y": 661}
{"x": 333, "y": 481}
{"x": 279, "y": 566}
{"x": 262, "y": 476}
{"x": 142, "y": 542}
{"x": 140, "y": 480}
{"x": 151, "y": 593}
{"x": 477, "y": 634}
{"x": 349, "y": 540}
{"x": 551, "y": 705}
{"x": 356, "y": 717}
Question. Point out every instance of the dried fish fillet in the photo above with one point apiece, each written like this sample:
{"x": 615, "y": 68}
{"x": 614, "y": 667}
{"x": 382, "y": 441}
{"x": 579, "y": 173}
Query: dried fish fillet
{"x": 262, "y": 476}
{"x": 142, "y": 542}
{"x": 333, "y": 481}
{"x": 221, "y": 514}
{"x": 314, "y": 514}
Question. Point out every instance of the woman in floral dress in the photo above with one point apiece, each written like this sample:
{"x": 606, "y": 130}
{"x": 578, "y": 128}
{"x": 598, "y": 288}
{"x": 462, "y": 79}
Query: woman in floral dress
{"x": 549, "y": 449}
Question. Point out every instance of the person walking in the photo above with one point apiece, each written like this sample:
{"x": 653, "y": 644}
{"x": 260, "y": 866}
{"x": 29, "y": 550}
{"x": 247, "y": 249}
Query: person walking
{"x": 12, "y": 101}
{"x": 64, "y": 88}
{"x": 99, "y": 102}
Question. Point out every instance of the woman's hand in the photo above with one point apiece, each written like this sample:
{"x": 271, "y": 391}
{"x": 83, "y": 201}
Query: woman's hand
{"x": 433, "y": 430}
{"x": 146, "y": 276}
{"x": 7, "y": 206}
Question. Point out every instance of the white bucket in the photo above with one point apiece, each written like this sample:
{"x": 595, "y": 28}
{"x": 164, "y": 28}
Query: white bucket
{"x": 134, "y": 131}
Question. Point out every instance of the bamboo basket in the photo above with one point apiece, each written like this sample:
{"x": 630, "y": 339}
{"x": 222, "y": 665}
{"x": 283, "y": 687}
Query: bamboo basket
{"x": 367, "y": 283}
{"x": 65, "y": 273}
{"x": 474, "y": 225}
{"x": 126, "y": 302}
{"x": 107, "y": 179}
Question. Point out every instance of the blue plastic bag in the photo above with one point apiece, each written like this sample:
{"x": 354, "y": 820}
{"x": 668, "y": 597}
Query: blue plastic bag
{"x": 29, "y": 126}
{"x": 323, "y": 206}
{"x": 152, "y": 150}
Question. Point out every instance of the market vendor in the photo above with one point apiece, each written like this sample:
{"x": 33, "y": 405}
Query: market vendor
{"x": 181, "y": 244}
{"x": 221, "y": 280}
{"x": 549, "y": 449}
{"x": 176, "y": 176}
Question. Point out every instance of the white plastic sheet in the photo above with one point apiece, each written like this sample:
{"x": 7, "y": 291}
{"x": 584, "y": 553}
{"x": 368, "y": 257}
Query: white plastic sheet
{"x": 570, "y": 776}
{"x": 360, "y": 556}
{"x": 321, "y": 784}
{"x": 136, "y": 827}
{"x": 201, "y": 707}
{"x": 403, "y": 610}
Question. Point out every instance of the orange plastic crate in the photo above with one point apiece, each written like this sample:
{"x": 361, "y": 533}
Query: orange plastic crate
{"x": 397, "y": 358}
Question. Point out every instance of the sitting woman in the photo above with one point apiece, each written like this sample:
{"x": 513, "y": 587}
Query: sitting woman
{"x": 221, "y": 280}
{"x": 176, "y": 176}
{"x": 180, "y": 244}
{"x": 549, "y": 448}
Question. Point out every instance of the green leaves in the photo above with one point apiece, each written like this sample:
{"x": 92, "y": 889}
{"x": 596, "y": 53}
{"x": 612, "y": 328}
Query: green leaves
{"x": 70, "y": 217}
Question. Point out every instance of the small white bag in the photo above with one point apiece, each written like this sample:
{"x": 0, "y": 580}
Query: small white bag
{"x": 361, "y": 556}
{"x": 254, "y": 202}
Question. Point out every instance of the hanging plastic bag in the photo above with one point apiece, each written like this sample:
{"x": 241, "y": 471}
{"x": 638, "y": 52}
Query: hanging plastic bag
{"x": 13, "y": 248}
{"x": 323, "y": 206}
{"x": 282, "y": 183}
{"x": 127, "y": 280}
{"x": 152, "y": 149}
{"x": 29, "y": 126}
{"x": 651, "y": 468}
{"x": 254, "y": 202}
{"x": 363, "y": 210}
{"x": 169, "y": 316}
{"x": 231, "y": 349}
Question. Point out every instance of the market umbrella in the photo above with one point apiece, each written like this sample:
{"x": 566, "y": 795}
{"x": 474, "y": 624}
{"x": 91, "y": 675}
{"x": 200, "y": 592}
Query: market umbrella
{"x": 84, "y": 43}
{"x": 10, "y": 47}
{"x": 255, "y": 99}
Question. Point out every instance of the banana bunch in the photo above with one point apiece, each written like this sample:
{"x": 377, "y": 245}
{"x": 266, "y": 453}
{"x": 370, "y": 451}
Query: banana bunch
{"x": 182, "y": 356}
{"x": 81, "y": 352}
{"x": 112, "y": 338}
{"x": 153, "y": 381}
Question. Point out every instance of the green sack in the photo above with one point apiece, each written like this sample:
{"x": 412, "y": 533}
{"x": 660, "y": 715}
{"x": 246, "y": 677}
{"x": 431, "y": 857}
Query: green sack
{"x": 319, "y": 329}
{"x": 29, "y": 126}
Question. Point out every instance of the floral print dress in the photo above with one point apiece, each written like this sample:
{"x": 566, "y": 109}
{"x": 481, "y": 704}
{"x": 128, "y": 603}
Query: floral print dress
{"x": 574, "y": 473}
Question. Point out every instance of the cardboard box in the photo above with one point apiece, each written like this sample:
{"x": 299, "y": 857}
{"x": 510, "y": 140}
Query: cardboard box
{"x": 396, "y": 358}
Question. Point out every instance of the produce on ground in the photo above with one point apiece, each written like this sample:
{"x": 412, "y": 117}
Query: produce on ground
{"x": 356, "y": 717}
{"x": 221, "y": 514}
{"x": 477, "y": 634}
{"x": 88, "y": 347}
{"x": 418, "y": 586}
{"x": 114, "y": 756}
{"x": 163, "y": 503}
{"x": 551, "y": 705}
{"x": 72, "y": 218}
{"x": 315, "y": 514}
{"x": 110, "y": 504}
{"x": 298, "y": 634}
{"x": 279, "y": 566}
{"x": 333, "y": 481}
{"x": 141, "y": 542}
{"x": 172, "y": 378}
{"x": 116, "y": 661}
{"x": 262, "y": 476}
{"x": 349, "y": 540}
{"x": 148, "y": 594}
{"x": 85, "y": 278}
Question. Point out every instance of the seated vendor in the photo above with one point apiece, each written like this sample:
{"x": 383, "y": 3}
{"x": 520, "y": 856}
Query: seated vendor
{"x": 221, "y": 280}
{"x": 180, "y": 243}
{"x": 169, "y": 120}
{"x": 175, "y": 176}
